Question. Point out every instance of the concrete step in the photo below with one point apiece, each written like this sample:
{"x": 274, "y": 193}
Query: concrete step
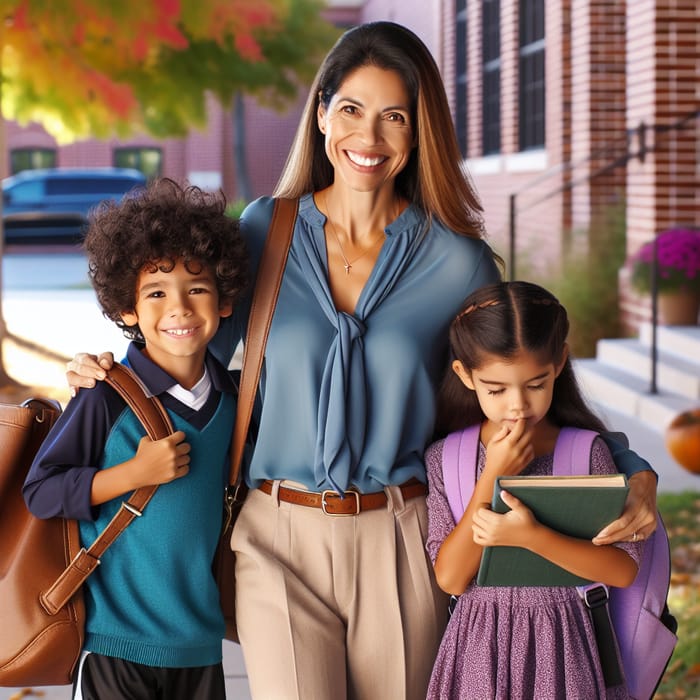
{"x": 628, "y": 394}
{"x": 675, "y": 373}
{"x": 682, "y": 341}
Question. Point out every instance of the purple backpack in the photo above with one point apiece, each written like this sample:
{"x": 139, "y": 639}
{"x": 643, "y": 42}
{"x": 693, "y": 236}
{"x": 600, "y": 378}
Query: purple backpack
{"x": 643, "y": 626}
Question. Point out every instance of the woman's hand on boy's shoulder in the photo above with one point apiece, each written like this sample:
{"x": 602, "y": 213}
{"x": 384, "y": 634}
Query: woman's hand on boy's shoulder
{"x": 84, "y": 370}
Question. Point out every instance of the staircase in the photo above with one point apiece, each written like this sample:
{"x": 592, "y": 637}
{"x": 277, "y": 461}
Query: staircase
{"x": 619, "y": 377}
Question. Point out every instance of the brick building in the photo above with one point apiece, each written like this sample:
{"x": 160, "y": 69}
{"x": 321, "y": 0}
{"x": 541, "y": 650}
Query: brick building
{"x": 564, "y": 109}
{"x": 577, "y": 108}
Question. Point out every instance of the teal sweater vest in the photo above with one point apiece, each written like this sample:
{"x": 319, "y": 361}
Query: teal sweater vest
{"x": 153, "y": 600}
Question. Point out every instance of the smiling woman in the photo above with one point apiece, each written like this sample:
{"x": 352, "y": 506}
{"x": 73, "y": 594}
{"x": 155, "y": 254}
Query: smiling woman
{"x": 386, "y": 244}
{"x": 368, "y": 134}
{"x": 368, "y": 130}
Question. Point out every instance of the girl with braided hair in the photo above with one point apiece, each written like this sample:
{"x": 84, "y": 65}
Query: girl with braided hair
{"x": 511, "y": 373}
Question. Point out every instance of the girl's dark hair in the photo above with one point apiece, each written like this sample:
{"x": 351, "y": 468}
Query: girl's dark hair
{"x": 155, "y": 227}
{"x": 501, "y": 320}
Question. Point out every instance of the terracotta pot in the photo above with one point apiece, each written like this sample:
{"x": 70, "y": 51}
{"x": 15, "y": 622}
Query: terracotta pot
{"x": 683, "y": 440}
{"x": 679, "y": 308}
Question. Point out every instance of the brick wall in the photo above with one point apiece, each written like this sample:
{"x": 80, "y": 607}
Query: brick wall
{"x": 539, "y": 214}
{"x": 597, "y": 108}
{"x": 663, "y": 65}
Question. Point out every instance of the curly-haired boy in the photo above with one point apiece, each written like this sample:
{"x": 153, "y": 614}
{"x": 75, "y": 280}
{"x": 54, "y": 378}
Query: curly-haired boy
{"x": 166, "y": 263}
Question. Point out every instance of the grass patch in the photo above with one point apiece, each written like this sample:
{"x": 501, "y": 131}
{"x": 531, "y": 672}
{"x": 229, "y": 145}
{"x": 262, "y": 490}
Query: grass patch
{"x": 681, "y": 515}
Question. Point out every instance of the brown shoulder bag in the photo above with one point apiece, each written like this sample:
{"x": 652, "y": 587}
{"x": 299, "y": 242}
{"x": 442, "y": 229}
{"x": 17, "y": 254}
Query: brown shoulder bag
{"x": 42, "y": 566}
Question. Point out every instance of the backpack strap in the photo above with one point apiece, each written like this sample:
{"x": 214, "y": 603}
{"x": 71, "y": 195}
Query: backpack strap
{"x": 459, "y": 456}
{"x": 572, "y": 453}
{"x": 572, "y": 457}
{"x": 156, "y": 421}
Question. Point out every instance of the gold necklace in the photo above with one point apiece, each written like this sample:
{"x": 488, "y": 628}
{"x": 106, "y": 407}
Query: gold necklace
{"x": 347, "y": 264}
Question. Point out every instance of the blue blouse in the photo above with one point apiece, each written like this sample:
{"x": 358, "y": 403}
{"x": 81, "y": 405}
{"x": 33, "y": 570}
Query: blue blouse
{"x": 349, "y": 399}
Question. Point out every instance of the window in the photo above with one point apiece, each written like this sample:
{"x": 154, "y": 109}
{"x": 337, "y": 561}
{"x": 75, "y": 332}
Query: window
{"x": 531, "y": 75}
{"x": 31, "y": 158}
{"x": 148, "y": 160}
{"x": 461, "y": 75}
{"x": 491, "y": 74}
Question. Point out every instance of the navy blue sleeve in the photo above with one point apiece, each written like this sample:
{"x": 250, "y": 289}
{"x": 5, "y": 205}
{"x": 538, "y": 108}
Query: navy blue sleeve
{"x": 626, "y": 461}
{"x": 59, "y": 482}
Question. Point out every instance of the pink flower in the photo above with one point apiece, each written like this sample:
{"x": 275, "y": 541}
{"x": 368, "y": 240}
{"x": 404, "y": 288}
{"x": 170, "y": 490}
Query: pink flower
{"x": 678, "y": 257}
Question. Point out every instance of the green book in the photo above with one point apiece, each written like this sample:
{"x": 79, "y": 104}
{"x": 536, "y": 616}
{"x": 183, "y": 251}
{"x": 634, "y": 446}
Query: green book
{"x": 579, "y": 506}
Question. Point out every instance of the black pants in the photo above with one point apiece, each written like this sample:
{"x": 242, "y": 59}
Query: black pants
{"x": 107, "y": 678}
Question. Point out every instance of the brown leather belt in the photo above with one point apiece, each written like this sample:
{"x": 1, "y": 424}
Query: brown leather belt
{"x": 353, "y": 502}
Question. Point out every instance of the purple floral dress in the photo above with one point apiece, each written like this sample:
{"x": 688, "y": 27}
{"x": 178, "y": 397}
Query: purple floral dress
{"x": 515, "y": 643}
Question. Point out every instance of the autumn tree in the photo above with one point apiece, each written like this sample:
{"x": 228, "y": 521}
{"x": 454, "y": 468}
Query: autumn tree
{"x": 104, "y": 68}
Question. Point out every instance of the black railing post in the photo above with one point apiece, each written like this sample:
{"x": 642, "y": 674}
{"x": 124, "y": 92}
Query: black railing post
{"x": 641, "y": 141}
{"x": 654, "y": 313}
{"x": 511, "y": 230}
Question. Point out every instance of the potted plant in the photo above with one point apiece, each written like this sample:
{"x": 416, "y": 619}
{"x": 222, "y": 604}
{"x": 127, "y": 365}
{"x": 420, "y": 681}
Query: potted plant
{"x": 678, "y": 280}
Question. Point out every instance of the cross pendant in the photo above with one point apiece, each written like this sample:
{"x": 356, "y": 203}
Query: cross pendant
{"x": 347, "y": 267}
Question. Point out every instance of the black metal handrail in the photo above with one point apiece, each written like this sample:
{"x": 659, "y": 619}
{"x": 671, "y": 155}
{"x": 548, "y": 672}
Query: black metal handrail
{"x": 642, "y": 149}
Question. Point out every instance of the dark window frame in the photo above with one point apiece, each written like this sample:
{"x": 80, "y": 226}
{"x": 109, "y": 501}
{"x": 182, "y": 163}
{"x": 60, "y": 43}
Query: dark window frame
{"x": 29, "y": 158}
{"x": 491, "y": 77}
{"x": 134, "y": 157}
{"x": 531, "y": 75}
{"x": 461, "y": 77}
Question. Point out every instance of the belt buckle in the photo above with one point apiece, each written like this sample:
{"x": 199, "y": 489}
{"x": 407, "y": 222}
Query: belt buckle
{"x": 330, "y": 492}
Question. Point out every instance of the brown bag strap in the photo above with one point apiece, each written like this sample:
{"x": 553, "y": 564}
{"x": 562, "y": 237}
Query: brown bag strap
{"x": 267, "y": 287}
{"x": 156, "y": 421}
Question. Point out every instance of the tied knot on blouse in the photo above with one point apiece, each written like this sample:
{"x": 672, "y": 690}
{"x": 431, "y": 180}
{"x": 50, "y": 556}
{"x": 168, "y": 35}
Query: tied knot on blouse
{"x": 342, "y": 412}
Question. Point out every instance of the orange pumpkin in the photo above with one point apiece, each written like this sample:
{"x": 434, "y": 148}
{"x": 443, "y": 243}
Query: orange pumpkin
{"x": 683, "y": 440}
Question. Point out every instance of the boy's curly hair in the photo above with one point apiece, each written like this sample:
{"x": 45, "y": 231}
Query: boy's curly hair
{"x": 162, "y": 223}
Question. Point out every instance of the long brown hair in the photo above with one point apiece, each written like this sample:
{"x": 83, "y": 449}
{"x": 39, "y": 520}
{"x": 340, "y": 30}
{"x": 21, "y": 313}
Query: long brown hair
{"x": 500, "y": 320}
{"x": 434, "y": 178}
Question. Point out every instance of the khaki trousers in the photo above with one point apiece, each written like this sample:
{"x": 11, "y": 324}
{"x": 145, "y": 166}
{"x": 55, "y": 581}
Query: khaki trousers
{"x": 336, "y": 608}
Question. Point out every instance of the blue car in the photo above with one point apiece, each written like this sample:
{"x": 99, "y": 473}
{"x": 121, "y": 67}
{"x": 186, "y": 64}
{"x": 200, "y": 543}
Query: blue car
{"x": 52, "y": 205}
